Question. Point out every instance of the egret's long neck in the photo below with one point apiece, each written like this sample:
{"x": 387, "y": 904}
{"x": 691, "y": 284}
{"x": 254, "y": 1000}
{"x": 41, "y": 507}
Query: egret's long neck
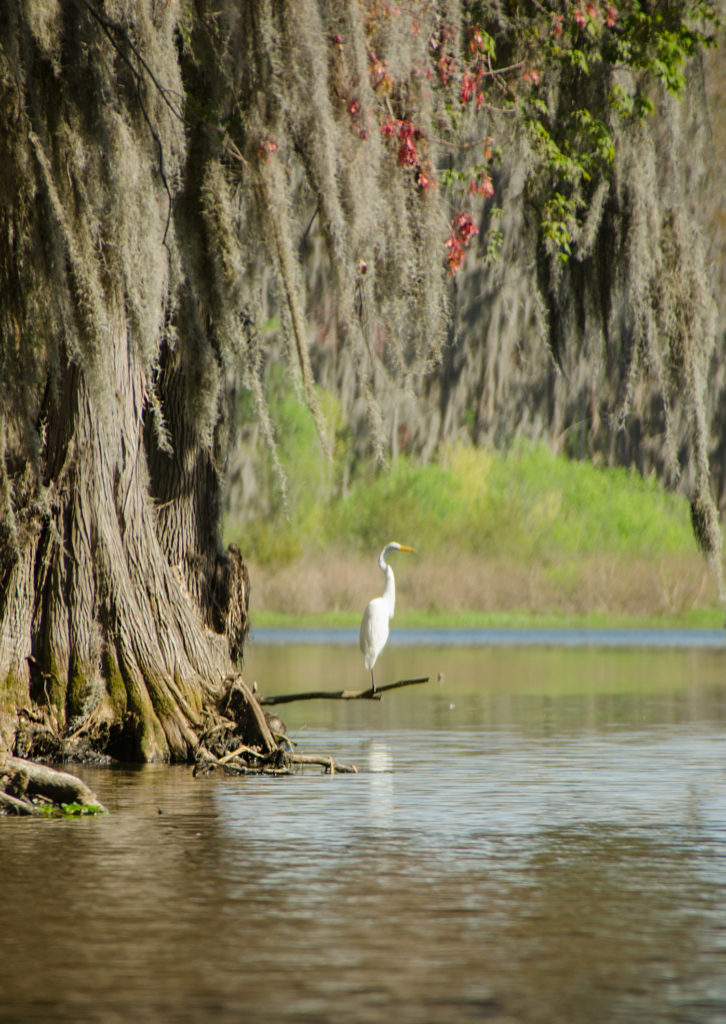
{"x": 389, "y": 590}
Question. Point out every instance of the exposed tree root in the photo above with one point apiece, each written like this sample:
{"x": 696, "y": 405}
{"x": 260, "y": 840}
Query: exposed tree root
{"x": 229, "y": 744}
{"x": 236, "y": 737}
{"x": 28, "y": 788}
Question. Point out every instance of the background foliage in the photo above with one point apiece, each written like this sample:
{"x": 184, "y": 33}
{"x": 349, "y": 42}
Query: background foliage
{"x": 522, "y": 502}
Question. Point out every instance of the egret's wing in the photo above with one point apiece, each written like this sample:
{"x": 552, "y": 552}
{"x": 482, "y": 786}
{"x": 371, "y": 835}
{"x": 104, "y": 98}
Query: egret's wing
{"x": 374, "y": 630}
{"x": 366, "y": 632}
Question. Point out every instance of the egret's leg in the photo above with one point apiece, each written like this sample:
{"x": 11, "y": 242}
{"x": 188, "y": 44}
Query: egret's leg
{"x": 373, "y": 683}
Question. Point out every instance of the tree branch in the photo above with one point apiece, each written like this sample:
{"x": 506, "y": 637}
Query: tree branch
{"x": 288, "y": 698}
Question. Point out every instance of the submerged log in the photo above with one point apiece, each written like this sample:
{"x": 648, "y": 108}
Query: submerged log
{"x": 288, "y": 698}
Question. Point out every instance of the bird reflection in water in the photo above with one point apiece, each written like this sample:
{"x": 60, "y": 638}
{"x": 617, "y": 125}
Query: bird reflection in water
{"x": 380, "y": 783}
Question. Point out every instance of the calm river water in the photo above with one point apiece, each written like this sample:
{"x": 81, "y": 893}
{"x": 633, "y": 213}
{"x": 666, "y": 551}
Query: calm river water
{"x": 539, "y": 836}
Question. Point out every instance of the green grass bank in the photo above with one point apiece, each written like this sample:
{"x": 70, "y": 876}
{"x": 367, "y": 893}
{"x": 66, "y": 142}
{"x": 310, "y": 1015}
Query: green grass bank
{"x": 520, "y": 537}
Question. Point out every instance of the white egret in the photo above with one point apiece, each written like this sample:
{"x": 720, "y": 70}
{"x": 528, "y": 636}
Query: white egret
{"x": 379, "y": 612}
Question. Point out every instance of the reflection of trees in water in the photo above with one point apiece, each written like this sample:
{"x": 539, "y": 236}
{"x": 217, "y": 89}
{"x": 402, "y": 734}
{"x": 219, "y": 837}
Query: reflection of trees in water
{"x": 459, "y": 907}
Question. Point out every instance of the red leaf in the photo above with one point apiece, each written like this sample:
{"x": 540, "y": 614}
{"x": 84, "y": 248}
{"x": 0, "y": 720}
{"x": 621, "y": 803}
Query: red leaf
{"x": 467, "y": 87}
{"x": 407, "y": 155}
{"x": 484, "y": 188}
{"x": 425, "y": 181}
{"x": 464, "y": 228}
{"x": 388, "y": 128}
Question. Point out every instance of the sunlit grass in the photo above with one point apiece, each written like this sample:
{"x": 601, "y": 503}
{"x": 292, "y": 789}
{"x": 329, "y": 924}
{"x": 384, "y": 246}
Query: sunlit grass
{"x": 695, "y": 618}
{"x": 525, "y": 503}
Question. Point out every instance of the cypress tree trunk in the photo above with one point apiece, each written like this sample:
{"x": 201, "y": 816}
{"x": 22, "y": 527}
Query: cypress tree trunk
{"x": 119, "y": 614}
{"x": 95, "y": 621}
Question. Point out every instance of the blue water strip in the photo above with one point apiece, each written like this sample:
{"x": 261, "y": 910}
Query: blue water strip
{"x": 493, "y": 637}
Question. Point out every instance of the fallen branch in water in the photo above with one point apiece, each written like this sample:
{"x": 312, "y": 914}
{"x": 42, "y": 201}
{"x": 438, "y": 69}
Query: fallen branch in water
{"x": 277, "y": 762}
{"x": 242, "y": 749}
{"x": 327, "y": 762}
{"x": 288, "y": 698}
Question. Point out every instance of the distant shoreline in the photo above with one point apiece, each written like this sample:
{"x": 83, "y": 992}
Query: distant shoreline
{"x": 474, "y": 592}
{"x": 629, "y": 636}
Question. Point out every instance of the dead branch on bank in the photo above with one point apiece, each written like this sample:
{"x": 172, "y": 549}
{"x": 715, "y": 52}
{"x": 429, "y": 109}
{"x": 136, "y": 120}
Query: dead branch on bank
{"x": 288, "y": 698}
{"x": 29, "y": 788}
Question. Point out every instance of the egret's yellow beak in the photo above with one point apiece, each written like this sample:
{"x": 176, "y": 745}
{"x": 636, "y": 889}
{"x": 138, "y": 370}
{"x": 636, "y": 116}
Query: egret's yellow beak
{"x": 404, "y": 547}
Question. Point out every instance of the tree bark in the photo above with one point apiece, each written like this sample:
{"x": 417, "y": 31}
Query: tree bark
{"x": 98, "y": 627}
{"x": 120, "y": 615}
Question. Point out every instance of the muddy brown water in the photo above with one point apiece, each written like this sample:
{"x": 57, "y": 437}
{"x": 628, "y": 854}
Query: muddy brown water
{"x": 539, "y": 837}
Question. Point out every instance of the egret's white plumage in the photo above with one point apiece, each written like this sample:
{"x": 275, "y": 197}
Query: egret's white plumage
{"x": 379, "y": 612}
